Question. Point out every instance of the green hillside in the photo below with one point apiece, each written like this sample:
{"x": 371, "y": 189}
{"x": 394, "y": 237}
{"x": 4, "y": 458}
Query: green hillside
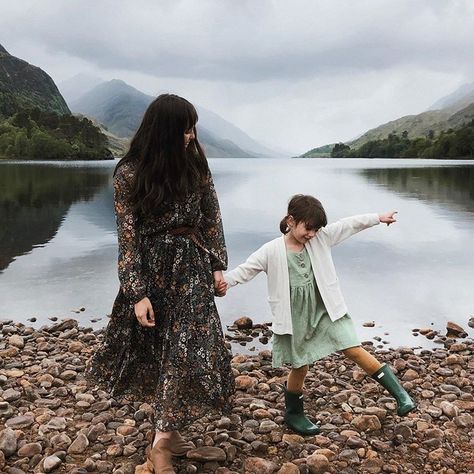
{"x": 36, "y": 123}
{"x": 450, "y": 144}
{"x": 23, "y": 86}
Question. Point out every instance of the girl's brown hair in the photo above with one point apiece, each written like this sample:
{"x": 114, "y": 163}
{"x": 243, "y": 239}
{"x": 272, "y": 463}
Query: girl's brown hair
{"x": 305, "y": 209}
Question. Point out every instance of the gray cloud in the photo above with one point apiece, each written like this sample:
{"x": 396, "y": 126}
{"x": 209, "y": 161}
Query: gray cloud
{"x": 278, "y": 54}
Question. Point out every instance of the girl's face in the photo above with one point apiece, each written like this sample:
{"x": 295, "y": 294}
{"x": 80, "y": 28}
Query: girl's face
{"x": 188, "y": 136}
{"x": 299, "y": 231}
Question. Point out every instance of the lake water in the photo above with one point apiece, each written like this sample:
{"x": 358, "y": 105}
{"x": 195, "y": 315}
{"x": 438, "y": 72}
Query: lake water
{"x": 58, "y": 246}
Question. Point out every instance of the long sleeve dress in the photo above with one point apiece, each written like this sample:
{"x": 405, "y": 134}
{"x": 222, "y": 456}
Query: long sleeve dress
{"x": 181, "y": 366}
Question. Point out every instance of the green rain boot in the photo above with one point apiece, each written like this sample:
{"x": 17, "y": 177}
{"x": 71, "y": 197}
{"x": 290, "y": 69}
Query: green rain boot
{"x": 385, "y": 377}
{"x": 295, "y": 417}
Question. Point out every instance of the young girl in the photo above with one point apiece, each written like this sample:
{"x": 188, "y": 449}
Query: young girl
{"x": 310, "y": 315}
{"x": 164, "y": 343}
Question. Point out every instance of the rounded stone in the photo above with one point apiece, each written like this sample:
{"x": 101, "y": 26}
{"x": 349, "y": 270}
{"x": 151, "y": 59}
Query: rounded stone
{"x": 51, "y": 463}
{"x": 8, "y": 442}
{"x": 317, "y": 463}
{"x": 30, "y": 449}
{"x": 206, "y": 453}
{"x": 79, "y": 445}
{"x": 16, "y": 341}
{"x": 20, "y": 422}
{"x": 254, "y": 465}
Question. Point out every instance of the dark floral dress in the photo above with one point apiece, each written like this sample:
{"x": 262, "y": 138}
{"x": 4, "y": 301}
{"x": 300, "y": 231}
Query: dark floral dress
{"x": 181, "y": 366}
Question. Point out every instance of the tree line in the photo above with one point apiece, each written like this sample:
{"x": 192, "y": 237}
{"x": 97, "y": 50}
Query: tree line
{"x": 43, "y": 135}
{"x": 449, "y": 144}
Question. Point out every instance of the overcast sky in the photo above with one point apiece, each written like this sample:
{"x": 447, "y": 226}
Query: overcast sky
{"x": 293, "y": 74}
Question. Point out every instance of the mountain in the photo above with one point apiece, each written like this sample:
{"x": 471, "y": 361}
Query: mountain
{"x": 452, "y": 111}
{"x": 35, "y": 121}
{"x": 77, "y": 86}
{"x": 227, "y": 131}
{"x": 463, "y": 95}
{"x": 115, "y": 104}
{"x": 120, "y": 107}
{"x": 24, "y": 86}
{"x": 319, "y": 152}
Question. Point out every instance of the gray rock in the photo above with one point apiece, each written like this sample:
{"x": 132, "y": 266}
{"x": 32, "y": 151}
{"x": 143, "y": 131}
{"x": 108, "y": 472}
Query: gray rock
{"x": 6, "y": 410}
{"x": 51, "y": 463}
{"x": 267, "y": 425}
{"x": 8, "y": 442}
{"x": 449, "y": 409}
{"x": 20, "y": 422}
{"x": 60, "y": 441}
{"x": 10, "y": 395}
{"x": 79, "y": 445}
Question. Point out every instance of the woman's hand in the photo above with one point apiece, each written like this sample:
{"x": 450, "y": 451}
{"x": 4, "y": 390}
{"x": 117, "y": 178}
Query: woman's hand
{"x": 144, "y": 313}
{"x": 388, "y": 218}
{"x": 220, "y": 285}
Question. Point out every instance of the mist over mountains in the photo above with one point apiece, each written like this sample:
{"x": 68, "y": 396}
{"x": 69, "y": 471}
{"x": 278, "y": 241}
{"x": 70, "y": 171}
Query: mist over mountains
{"x": 120, "y": 108}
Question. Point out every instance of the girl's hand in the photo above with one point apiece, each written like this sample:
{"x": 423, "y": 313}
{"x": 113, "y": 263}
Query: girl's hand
{"x": 220, "y": 289}
{"x": 388, "y": 218}
{"x": 144, "y": 313}
{"x": 220, "y": 285}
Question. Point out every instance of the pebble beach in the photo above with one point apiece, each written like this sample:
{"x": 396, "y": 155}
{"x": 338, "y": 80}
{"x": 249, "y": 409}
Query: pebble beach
{"x": 51, "y": 420}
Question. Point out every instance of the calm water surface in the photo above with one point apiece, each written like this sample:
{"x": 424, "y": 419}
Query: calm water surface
{"x": 58, "y": 246}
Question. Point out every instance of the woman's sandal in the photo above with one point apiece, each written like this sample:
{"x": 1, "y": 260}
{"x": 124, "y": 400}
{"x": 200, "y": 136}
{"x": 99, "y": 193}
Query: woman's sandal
{"x": 159, "y": 457}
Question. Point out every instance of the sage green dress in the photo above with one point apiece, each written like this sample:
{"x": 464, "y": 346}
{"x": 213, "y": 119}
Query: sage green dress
{"x": 315, "y": 335}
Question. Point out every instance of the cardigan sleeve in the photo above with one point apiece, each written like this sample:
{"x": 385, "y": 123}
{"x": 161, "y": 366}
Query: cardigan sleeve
{"x": 342, "y": 229}
{"x": 256, "y": 263}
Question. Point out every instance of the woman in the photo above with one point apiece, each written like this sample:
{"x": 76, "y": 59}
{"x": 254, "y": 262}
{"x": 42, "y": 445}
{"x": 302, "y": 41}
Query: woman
{"x": 164, "y": 343}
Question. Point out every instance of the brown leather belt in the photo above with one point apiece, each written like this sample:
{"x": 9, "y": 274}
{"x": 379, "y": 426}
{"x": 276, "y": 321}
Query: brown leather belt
{"x": 184, "y": 230}
{"x": 187, "y": 231}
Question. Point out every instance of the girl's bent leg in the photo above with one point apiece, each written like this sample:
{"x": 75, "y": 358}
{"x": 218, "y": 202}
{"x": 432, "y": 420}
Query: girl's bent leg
{"x": 384, "y": 376}
{"x": 296, "y": 379}
{"x": 363, "y": 359}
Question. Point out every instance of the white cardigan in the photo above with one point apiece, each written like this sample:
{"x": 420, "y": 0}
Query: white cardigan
{"x": 271, "y": 258}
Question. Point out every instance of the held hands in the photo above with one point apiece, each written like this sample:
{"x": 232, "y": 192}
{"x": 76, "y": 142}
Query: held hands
{"x": 144, "y": 313}
{"x": 388, "y": 218}
{"x": 220, "y": 285}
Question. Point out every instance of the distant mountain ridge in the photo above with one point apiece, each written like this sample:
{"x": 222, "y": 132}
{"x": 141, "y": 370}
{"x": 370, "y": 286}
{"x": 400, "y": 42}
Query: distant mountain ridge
{"x": 463, "y": 95}
{"x": 120, "y": 107}
{"x": 76, "y": 86}
{"x": 24, "y": 86}
{"x": 452, "y": 111}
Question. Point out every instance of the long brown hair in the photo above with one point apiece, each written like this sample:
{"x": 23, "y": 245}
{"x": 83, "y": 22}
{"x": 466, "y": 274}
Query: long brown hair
{"x": 166, "y": 168}
{"x": 307, "y": 209}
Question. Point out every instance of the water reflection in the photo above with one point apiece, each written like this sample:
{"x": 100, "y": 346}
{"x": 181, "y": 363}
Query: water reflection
{"x": 451, "y": 186}
{"x": 34, "y": 200}
{"x": 57, "y": 223}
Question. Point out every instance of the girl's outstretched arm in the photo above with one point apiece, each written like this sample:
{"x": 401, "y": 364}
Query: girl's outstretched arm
{"x": 342, "y": 229}
{"x": 388, "y": 218}
{"x": 256, "y": 263}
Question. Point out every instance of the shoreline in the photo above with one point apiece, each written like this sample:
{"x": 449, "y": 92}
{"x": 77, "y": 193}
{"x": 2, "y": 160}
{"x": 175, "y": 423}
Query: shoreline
{"x": 51, "y": 422}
